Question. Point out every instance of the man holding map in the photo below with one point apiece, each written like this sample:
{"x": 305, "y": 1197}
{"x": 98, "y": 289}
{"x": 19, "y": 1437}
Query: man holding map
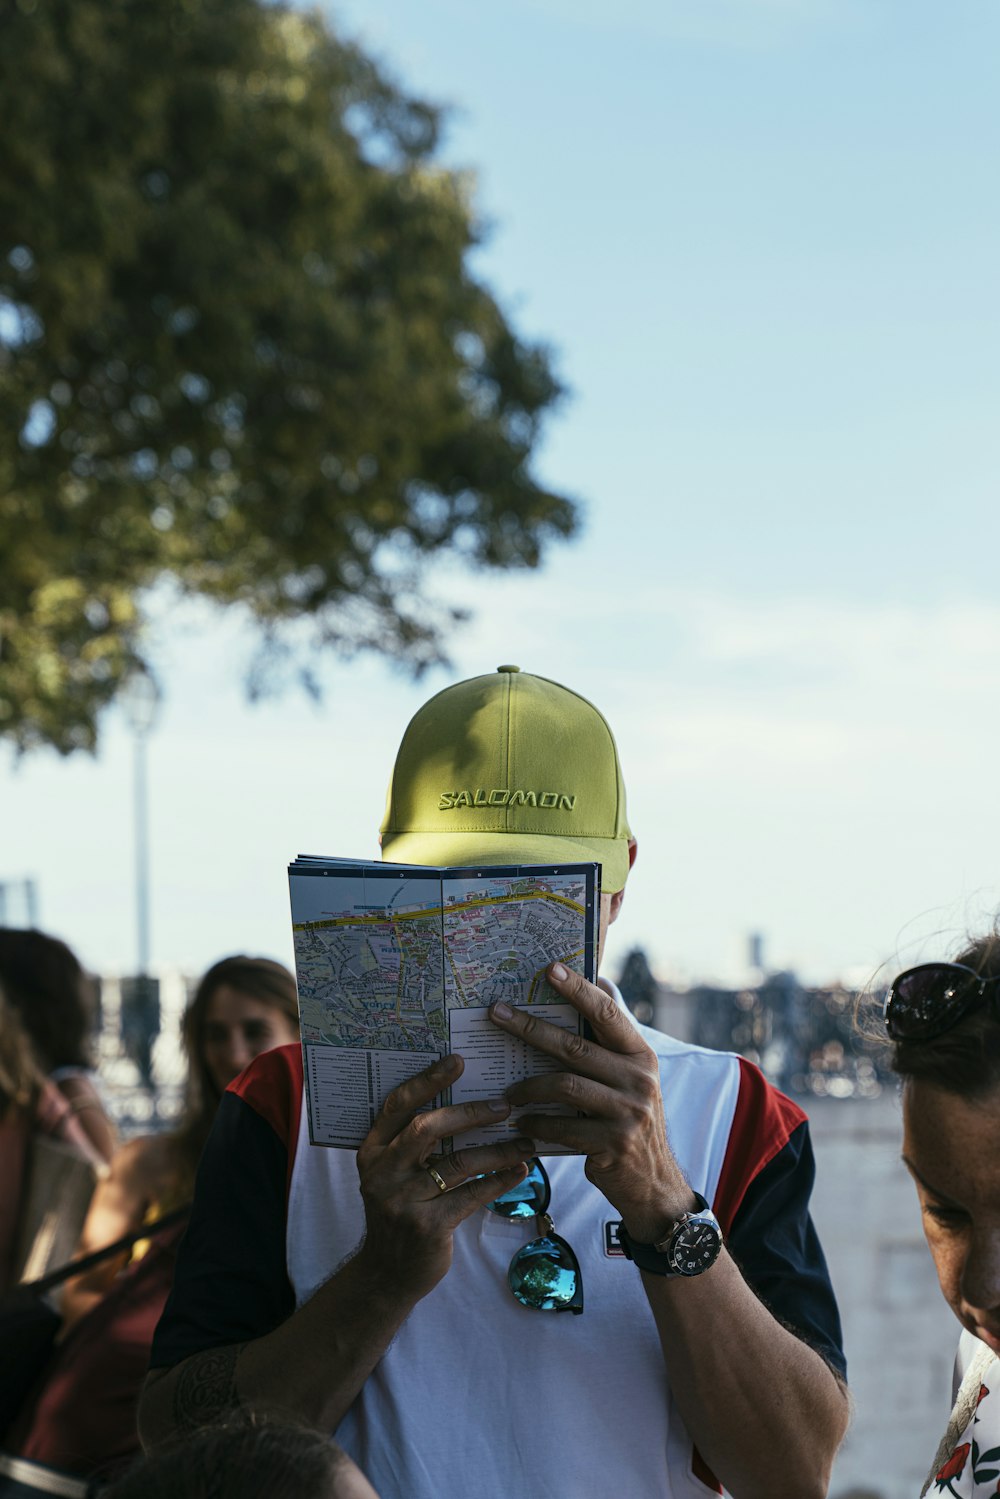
{"x": 390, "y": 1296}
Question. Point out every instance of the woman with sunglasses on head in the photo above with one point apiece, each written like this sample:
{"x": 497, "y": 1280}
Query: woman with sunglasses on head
{"x": 943, "y": 1020}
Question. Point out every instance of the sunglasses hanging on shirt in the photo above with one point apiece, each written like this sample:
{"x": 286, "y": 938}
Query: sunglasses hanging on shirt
{"x": 544, "y": 1275}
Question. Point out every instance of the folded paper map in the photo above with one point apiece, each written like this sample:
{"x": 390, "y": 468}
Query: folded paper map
{"x": 397, "y": 966}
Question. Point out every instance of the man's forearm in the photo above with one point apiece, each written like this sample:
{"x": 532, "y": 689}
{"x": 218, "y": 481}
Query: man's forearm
{"x": 317, "y": 1361}
{"x": 763, "y": 1409}
{"x": 313, "y": 1365}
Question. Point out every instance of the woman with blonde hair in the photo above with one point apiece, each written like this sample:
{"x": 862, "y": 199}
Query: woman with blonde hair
{"x": 241, "y": 1007}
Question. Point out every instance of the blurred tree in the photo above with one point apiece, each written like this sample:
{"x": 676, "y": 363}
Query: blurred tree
{"x": 241, "y": 347}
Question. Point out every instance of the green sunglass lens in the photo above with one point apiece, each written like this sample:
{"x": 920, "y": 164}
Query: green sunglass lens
{"x": 545, "y": 1276}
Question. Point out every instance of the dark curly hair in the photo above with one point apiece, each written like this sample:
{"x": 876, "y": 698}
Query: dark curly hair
{"x": 241, "y": 1457}
{"x": 45, "y": 983}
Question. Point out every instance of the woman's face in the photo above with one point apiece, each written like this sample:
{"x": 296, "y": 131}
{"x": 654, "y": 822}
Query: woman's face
{"x": 238, "y": 1028}
{"x": 951, "y": 1146}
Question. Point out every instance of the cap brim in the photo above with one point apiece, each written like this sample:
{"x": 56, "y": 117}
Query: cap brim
{"x": 454, "y": 850}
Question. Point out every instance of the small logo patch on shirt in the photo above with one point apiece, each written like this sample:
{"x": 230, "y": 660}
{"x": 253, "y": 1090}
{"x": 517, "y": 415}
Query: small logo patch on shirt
{"x": 612, "y": 1244}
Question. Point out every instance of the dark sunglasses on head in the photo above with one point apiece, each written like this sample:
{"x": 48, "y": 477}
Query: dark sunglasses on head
{"x": 545, "y": 1274}
{"x": 928, "y": 1000}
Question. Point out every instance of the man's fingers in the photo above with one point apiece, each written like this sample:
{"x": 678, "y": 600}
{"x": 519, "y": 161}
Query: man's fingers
{"x": 463, "y": 1165}
{"x": 416, "y": 1093}
{"x": 569, "y": 1090}
{"x": 608, "y": 1021}
{"x": 421, "y": 1137}
{"x": 596, "y": 1059}
{"x": 464, "y": 1200}
{"x": 582, "y": 1136}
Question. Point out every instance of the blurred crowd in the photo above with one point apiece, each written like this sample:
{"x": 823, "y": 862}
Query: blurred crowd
{"x": 70, "y": 1189}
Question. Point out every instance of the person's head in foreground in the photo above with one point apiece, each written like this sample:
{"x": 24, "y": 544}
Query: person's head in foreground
{"x": 944, "y": 1022}
{"x": 510, "y": 768}
{"x": 246, "y": 1457}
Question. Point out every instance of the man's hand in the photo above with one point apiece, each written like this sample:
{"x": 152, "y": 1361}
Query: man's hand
{"x": 410, "y": 1218}
{"x": 315, "y": 1362}
{"x": 614, "y": 1081}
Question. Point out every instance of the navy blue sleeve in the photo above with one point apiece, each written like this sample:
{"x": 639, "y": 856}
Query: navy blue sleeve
{"x": 231, "y": 1282}
{"x": 775, "y": 1244}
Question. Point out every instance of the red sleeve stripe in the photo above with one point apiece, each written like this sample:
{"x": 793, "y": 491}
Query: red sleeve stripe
{"x": 272, "y": 1086}
{"x": 764, "y": 1122}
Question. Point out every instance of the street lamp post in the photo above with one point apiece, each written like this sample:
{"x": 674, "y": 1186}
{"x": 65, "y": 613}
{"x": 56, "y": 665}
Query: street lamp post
{"x": 140, "y": 701}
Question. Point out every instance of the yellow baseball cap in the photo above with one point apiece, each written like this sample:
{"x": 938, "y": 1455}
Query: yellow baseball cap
{"x": 508, "y": 769}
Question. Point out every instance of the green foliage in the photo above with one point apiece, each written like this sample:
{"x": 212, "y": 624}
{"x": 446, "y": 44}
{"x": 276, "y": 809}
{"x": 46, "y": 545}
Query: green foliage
{"x": 240, "y": 346}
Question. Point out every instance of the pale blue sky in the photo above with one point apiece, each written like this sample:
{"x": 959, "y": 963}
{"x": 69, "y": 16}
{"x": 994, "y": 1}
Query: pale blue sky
{"x": 763, "y": 238}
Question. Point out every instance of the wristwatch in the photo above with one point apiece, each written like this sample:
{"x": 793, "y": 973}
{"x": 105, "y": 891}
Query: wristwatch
{"x": 690, "y": 1247}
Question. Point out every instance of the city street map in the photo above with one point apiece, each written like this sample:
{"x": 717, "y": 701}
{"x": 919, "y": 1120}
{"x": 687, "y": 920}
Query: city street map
{"x": 398, "y": 964}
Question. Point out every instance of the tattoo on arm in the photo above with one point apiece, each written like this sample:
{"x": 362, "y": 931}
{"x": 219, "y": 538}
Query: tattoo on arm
{"x": 206, "y": 1388}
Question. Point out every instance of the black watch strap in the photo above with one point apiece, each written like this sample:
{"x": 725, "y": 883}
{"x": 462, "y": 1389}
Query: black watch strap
{"x": 690, "y": 1247}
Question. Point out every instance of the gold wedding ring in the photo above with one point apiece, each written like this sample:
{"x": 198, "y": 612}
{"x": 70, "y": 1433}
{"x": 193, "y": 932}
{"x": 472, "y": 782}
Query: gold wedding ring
{"x": 437, "y": 1179}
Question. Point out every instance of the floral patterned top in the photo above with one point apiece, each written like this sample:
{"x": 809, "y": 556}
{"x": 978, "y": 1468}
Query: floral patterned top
{"x": 971, "y": 1468}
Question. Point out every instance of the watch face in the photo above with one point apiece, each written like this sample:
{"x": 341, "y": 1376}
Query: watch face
{"x": 695, "y": 1247}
